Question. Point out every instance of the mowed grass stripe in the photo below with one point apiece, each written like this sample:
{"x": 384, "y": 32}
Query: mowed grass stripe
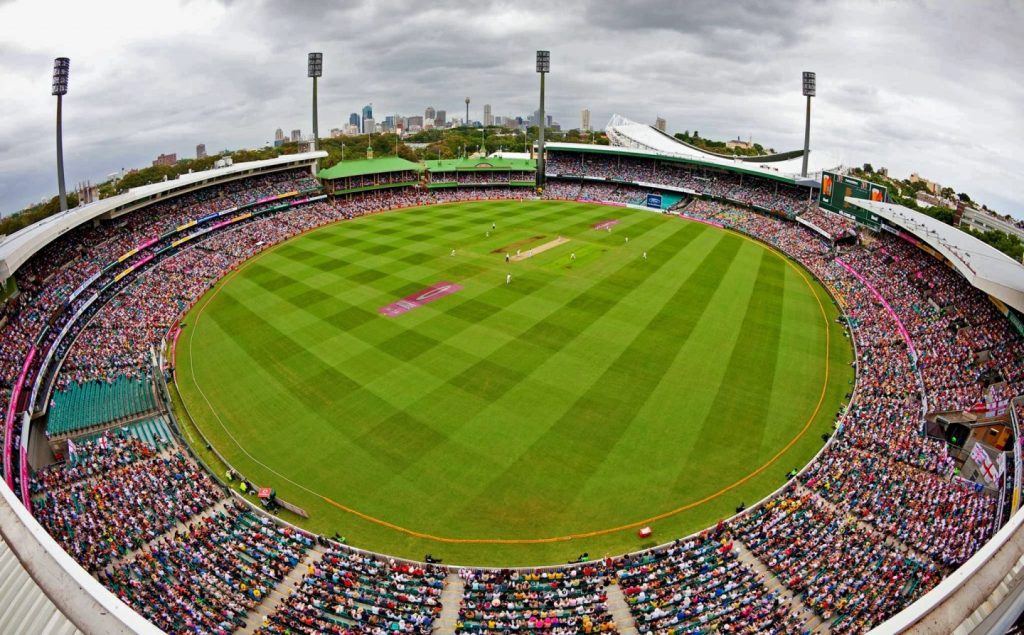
{"x": 603, "y": 402}
{"x": 478, "y": 386}
{"x": 740, "y": 411}
{"x": 396, "y": 441}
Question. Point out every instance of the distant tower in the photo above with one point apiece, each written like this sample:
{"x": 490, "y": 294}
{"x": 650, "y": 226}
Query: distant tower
{"x": 585, "y": 120}
{"x": 488, "y": 118}
{"x": 201, "y": 151}
{"x": 429, "y": 114}
{"x": 467, "y": 111}
{"x": 279, "y": 135}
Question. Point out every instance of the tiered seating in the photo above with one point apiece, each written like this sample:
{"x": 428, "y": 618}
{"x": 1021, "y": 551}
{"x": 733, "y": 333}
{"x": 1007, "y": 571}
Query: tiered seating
{"x": 207, "y": 578}
{"x": 851, "y": 578}
{"x": 99, "y": 519}
{"x": 93, "y": 403}
{"x": 571, "y": 600}
{"x": 349, "y": 592}
{"x": 699, "y": 585}
{"x": 942, "y": 518}
{"x": 154, "y": 432}
{"x": 833, "y": 224}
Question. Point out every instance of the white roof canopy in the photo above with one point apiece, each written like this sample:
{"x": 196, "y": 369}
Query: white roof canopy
{"x": 626, "y": 133}
{"x": 18, "y": 247}
{"x": 984, "y": 266}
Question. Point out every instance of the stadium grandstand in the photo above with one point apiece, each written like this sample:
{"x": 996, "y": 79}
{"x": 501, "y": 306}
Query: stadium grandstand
{"x": 907, "y": 520}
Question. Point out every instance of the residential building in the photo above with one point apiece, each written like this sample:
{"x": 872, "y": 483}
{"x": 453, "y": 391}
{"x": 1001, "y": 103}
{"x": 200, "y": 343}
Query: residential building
{"x": 585, "y": 120}
{"x": 165, "y": 159}
{"x": 660, "y": 124}
{"x": 296, "y": 135}
{"x": 488, "y": 118}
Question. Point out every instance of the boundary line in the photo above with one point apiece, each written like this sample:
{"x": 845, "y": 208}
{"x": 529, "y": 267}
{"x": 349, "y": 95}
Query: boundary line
{"x": 524, "y": 541}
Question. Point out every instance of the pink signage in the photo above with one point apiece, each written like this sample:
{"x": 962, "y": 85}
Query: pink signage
{"x": 606, "y": 224}
{"x": 433, "y": 292}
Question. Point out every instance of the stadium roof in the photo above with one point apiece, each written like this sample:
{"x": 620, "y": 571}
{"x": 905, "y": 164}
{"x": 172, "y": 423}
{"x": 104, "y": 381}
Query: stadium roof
{"x": 18, "y": 247}
{"x": 488, "y": 163}
{"x": 721, "y": 164}
{"x": 368, "y": 166}
{"x": 984, "y": 266}
{"x": 625, "y": 133}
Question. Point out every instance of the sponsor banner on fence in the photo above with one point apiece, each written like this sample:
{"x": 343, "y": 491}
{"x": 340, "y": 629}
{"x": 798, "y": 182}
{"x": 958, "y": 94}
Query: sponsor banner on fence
{"x": 433, "y": 292}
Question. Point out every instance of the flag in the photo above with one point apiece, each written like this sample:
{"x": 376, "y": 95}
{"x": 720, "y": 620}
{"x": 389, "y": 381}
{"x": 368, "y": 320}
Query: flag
{"x": 984, "y": 463}
{"x": 979, "y": 454}
{"x": 1001, "y": 464}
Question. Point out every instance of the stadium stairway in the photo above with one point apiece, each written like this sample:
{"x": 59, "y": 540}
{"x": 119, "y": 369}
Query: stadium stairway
{"x": 624, "y": 622}
{"x": 451, "y": 600}
{"x": 815, "y": 624}
{"x": 280, "y": 593}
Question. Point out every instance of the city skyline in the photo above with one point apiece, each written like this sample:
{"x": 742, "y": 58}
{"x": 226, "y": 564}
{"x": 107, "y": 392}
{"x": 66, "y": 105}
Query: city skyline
{"x": 726, "y": 71}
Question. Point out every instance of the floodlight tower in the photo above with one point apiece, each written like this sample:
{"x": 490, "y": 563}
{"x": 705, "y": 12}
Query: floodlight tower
{"x": 810, "y": 90}
{"x": 61, "y": 66}
{"x": 543, "y": 67}
{"x": 467, "y": 112}
{"x": 315, "y": 70}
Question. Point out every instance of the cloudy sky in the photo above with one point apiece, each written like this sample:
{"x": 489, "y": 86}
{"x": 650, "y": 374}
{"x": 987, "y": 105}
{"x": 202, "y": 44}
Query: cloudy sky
{"x": 931, "y": 87}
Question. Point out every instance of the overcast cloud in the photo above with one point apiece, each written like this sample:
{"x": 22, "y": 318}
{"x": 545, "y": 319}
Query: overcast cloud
{"x": 931, "y": 87}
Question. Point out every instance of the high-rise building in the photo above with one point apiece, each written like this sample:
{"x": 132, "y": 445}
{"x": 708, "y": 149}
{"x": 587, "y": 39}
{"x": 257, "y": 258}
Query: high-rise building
{"x": 367, "y": 113}
{"x": 488, "y": 118}
{"x": 414, "y": 123}
{"x": 441, "y": 118}
{"x": 389, "y": 123}
{"x": 368, "y": 124}
{"x": 201, "y": 151}
{"x": 165, "y": 159}
{"x": 353, "y": 120}
{"x": 660, "y": 124}
{"x": 585, "y": 120}
{"x": 279, "y": 135}
{"x": 296, "y": 135}
{"x": 429, "y": 114}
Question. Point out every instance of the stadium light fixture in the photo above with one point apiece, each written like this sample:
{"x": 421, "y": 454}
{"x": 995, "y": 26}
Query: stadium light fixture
{"x": 314, "y": 70}
{"x": 810, "y": 90}
{"x": 543, "y": 68}
{"x": 61, "y": 69}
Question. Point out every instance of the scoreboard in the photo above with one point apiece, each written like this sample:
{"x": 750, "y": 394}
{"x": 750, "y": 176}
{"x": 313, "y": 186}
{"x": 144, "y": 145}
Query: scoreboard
{"x": 836, "y": 188}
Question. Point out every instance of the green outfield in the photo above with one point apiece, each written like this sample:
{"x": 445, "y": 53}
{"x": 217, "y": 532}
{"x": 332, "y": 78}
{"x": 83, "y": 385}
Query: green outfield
{"x": 521, "y": 423}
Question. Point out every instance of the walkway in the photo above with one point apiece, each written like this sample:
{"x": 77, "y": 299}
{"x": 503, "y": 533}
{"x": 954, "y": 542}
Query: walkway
{"x": 814, "y": 623}
{"x": 280, "y": 592}
{"x": 451, "y": 601}
{"x": 619, "y": 610}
